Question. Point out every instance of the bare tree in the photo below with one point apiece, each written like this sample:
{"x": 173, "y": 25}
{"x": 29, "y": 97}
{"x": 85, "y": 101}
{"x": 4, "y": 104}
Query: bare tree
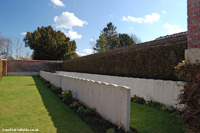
{"x": 136, "y": 39}
{"x": 5, "y": 44}
{"x": 18, "y": 49}
{"x": 13, "y": 49}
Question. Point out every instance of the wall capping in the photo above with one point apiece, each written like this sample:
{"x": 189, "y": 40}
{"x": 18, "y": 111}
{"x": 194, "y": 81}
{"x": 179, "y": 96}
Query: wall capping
{"x": 192, "y": 55}
{"x": 111, "y": 101}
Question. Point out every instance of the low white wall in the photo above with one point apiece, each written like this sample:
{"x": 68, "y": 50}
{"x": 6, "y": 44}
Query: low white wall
{"x": 165, "y": 92}
{"x": 111, "y": 101}
{"x": 23, "y": 73}
{"x": 55, "y": 79}
{"x": 45, "y": 75}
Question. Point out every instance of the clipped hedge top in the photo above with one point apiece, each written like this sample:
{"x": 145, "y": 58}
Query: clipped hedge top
{"x": 155, "y": 59}
{"x": 182, "y": 36}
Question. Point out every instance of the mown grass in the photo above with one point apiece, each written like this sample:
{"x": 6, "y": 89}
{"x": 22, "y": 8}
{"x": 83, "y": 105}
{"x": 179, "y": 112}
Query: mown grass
{"x": 25, "y": 102}
{"x": 150, "y": 120}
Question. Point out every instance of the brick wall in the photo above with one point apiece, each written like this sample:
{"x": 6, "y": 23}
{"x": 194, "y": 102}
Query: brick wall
{"x": 193, "y": 10}
{"x": 193, "y": 23}
{"x": 31, "y": 66}
{"x": 4, "y": 68}
{"x": 1, "y": 69}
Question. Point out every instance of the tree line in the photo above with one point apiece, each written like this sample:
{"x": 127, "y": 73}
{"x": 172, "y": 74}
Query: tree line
{"x": 13, "y": 48}
{"x": 110, "y": 39}
{"x": 49, "y": 44}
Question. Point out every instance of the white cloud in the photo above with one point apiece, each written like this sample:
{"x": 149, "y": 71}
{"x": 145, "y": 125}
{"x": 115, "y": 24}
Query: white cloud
{"x": 72, "y": 34}
{"x": 147, "y": 19}
{"x": 85, "y": 52}
{"x": 23, "y": 33}
{"x": 58, "y": 2}
{"x": 67, "y": 20}
{"x": 173, "y": 28}
{"x": 92, "y": 39}
{"x": 124, "y": 19}
{"x": 88, "y": 51}
{"x": 164, "y": 12}
{"x": 81, "y": 54}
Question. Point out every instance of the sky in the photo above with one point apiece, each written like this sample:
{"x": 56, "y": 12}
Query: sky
{"x": 83, "y": 20}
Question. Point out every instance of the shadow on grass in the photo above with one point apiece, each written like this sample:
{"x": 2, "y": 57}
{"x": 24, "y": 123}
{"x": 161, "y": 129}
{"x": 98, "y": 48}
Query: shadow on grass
{"x": 63, "y": 118}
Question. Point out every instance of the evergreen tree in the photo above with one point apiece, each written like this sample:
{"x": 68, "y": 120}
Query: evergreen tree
{"x": 125, "y": 40}
{"x": 49, "y": 44}
{"x": 101, "y": 44}
{"x": 109, "y": 39}
{"x": 111, "y": 36}
{"x": 70, "y": 55}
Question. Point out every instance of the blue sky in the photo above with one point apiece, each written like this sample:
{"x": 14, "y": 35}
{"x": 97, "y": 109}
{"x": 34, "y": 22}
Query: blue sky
{"x": 82, "y": 20}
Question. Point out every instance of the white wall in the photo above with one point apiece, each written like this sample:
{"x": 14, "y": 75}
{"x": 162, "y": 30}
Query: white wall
{"x": 45, "y": 75}
{"x": 55, "y": 79}
{"x": 165, "y": 92}
{"x": 111, "y": 101}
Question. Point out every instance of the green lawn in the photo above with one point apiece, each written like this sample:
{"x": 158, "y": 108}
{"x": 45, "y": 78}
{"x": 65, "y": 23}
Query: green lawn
{"x": 26, "y": 103}
{"x": 149, "y": 120}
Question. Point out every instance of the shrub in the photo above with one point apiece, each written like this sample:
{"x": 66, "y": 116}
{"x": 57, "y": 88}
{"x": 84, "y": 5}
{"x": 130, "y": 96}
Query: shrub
{"x": 75, "y": 104}
{"x": 80, "y": 110}
{"x": 190, "y": 95}
{"x": 152, "y": 60}
{"x": 110, "y": 130}
{"x": 90, "y": 111}
{"x": 68, "y": 97}
{"x": 154, "y": 104}
{"x": 137, "y": 99}
{"x": 160, "y": 106}
{"x": 56, "y": 90}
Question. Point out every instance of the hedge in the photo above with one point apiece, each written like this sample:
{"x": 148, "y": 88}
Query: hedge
{"x": 152, "y": 60}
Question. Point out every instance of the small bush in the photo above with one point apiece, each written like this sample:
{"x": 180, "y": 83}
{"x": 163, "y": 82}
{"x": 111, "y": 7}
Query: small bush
{"x": 60, "y": 96}
{"x": 190, "y": 95}
{"x": 154, "y": 104}
{"x": 137, "y": 99}
{"x": 169, "y": 109}
{"x": 56, "y": 90}
{"x": 68, "y": 97}
{"x": 75, "y": 104}
{"x": 110, "y": 130}
{"x": 160, "y": 106}
{"x": 80, "y": 110}
{"x": 90, "y": 111}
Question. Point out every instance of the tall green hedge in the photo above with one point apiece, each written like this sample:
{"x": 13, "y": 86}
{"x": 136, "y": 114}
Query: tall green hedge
{"x": 152, "y": 60}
